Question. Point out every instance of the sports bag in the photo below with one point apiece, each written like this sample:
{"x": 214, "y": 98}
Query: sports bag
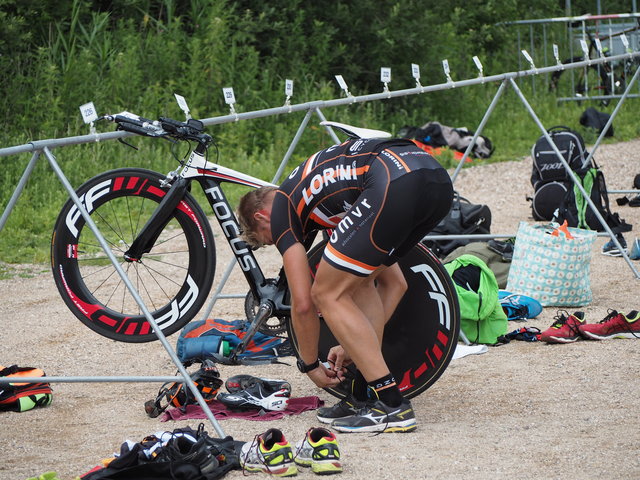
{"x": 576, "y": 210}
{"x": 482, "y": 318}
{"x": 549, "y": 177}
{"x": 205, "y": 338}
{"x": 464, "y": 218}
{"x": 20, "y": 397}
{"x": 552, "y": 269}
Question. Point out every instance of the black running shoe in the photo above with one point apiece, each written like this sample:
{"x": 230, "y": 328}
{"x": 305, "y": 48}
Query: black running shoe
{"x": 241, "y": 382}
{"x": 378, "y": 417}
{"x": 344, "y": 408}
{"x": 257, "y": 397}
{"x": 183, "y": 448}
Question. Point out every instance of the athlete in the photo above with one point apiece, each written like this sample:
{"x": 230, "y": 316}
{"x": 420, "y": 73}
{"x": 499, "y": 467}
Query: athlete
{"x": 378, "y": 197}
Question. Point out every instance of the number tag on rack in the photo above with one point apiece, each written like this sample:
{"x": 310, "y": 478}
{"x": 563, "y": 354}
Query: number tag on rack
{"x": 447, "y": 70}
{"x": 415, "y": 73}
{"x": 182, "y": 103}
{"x": 88, "y": 112}
{"x": 343, "y": 85}
{"x": 478, "y": 63}
{"x": 556, "y": 54}
{"x": 599, "y": 48}
{"x": 385, "y": 75}
{"x": 585, "y": 49}
{"x": 229, "y": 96}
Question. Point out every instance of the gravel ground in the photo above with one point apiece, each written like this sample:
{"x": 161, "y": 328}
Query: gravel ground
{"x": 522, "y": 410}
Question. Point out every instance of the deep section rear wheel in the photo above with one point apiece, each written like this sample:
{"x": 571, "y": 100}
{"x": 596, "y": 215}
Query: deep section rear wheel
{"x": 421, "y": 336}
{"x": 173, "y": 279}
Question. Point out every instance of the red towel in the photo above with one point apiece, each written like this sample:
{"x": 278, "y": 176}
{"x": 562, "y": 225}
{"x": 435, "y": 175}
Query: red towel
{"x": 220, "y": 411}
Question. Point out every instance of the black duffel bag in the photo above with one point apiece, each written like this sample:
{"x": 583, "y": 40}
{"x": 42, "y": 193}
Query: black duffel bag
{"x": 464, "y": 218}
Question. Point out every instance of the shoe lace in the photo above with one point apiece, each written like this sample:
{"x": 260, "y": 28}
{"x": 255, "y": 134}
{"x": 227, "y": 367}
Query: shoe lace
{"x": 610, "y": 316}
{"x": 254, "y": 442}
{"x": 301, "y": 446}
{"x": 560, "y": 319}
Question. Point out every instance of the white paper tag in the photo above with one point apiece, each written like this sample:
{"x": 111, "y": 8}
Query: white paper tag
{"x": 229, "y": 96}
{"x": 585, "y": 49}
{"x": 342, "y": 83}
{"x": 556, "y": 54}
{"x": 385, "y": 75}
{"x": 288, "y": 87}
{"x": 415, "y": 71}
{"x": 182, "y": 103}
{"x": 528, "y": 57}
{"x": 599, "y": 47}
{"x": 476, "y": 60}
{"x": 625, "y": 41}
{"x": 88, "y": 112}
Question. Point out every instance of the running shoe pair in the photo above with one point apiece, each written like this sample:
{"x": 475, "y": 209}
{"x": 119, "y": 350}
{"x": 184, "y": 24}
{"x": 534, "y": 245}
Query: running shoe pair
{"x": 271, "y": 453}
{"x": 352, "y": 416}
{"x": 570, "y": 328}
{"x": 249, "y": 392}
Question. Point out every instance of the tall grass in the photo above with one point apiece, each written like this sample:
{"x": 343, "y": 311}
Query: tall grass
{"x": 137, "y": 63}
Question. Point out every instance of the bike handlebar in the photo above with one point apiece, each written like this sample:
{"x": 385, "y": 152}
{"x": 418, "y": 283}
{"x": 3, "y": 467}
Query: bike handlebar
{"x": 163, "y": 127}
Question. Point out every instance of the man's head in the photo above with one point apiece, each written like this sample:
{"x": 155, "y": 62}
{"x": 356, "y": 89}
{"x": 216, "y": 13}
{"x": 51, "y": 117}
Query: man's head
{"x": 254, "y": 215}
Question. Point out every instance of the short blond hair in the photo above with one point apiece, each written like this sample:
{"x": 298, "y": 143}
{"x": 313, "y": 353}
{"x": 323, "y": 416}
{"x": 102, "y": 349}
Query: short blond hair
{"x": 249, "y": 204}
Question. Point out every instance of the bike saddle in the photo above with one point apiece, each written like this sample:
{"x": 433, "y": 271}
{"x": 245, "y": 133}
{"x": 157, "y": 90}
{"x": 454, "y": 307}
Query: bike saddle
{"x": 356, "y": 132}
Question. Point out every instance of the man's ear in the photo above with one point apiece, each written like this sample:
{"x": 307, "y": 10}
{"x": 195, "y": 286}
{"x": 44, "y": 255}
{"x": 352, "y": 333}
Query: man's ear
{"x": 262, "y": 215}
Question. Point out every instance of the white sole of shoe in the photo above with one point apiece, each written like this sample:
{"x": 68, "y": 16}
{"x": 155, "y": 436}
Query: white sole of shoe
{"x": 396, "y": 427}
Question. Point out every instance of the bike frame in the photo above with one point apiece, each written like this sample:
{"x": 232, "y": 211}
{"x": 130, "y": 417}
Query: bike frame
{"x": 210, "y": 176}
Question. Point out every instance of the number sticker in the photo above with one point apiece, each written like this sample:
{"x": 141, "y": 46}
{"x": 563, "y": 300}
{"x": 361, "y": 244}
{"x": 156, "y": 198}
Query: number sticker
{"x": 625, "y": 41}
{"x": 556, "y": 53}
{"x": 528, "y": 57}
{"x": 415, "y": 71}
{"x": 585, "y": 48}
{"x": 385, "y": 75}
{"x": 288, "y": 87}
{"x": 182, "y": 103}
{"x": 229, "y": 96}
{"x": 599, "y": 47}
{"x": 88, "y": 112}
{"x": 476, "y": 60}
{"x": 342, "y": 83}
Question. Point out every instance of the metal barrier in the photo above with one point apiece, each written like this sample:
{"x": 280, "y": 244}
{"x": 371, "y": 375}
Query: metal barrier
{"x": 584, "y": 37}
{"x": 506, "y": 79}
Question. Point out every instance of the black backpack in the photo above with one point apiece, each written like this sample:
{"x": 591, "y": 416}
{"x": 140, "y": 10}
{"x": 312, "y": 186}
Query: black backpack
{"x": 577, "y": 212}
{"x": 549, "y": 177}
{"x": 464, "y": 218}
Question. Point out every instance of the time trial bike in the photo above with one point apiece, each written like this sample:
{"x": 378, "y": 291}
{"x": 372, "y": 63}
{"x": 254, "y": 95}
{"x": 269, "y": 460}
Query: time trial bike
{"x": 165, "y": 244}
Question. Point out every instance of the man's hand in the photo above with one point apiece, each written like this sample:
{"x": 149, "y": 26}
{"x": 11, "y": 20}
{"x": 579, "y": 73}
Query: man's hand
{"x": 339, "y": 358}
{"x": 324, "y": 377}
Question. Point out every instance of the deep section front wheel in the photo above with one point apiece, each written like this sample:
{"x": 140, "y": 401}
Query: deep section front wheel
{"x": 421, "y": 336}
{"x": 173, "y": 279}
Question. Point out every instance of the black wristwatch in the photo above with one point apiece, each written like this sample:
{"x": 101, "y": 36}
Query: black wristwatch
{"x": 304, "y": 368}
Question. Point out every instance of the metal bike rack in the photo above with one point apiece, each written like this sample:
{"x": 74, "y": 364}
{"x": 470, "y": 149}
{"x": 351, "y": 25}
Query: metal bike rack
{"x": 45, "y": 146}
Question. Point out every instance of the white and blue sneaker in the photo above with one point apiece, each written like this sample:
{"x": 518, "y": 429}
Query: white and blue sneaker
{"x": 519, "y": 307}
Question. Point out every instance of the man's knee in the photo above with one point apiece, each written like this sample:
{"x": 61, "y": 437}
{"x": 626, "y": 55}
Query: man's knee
{"x": 318, "y": 293}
